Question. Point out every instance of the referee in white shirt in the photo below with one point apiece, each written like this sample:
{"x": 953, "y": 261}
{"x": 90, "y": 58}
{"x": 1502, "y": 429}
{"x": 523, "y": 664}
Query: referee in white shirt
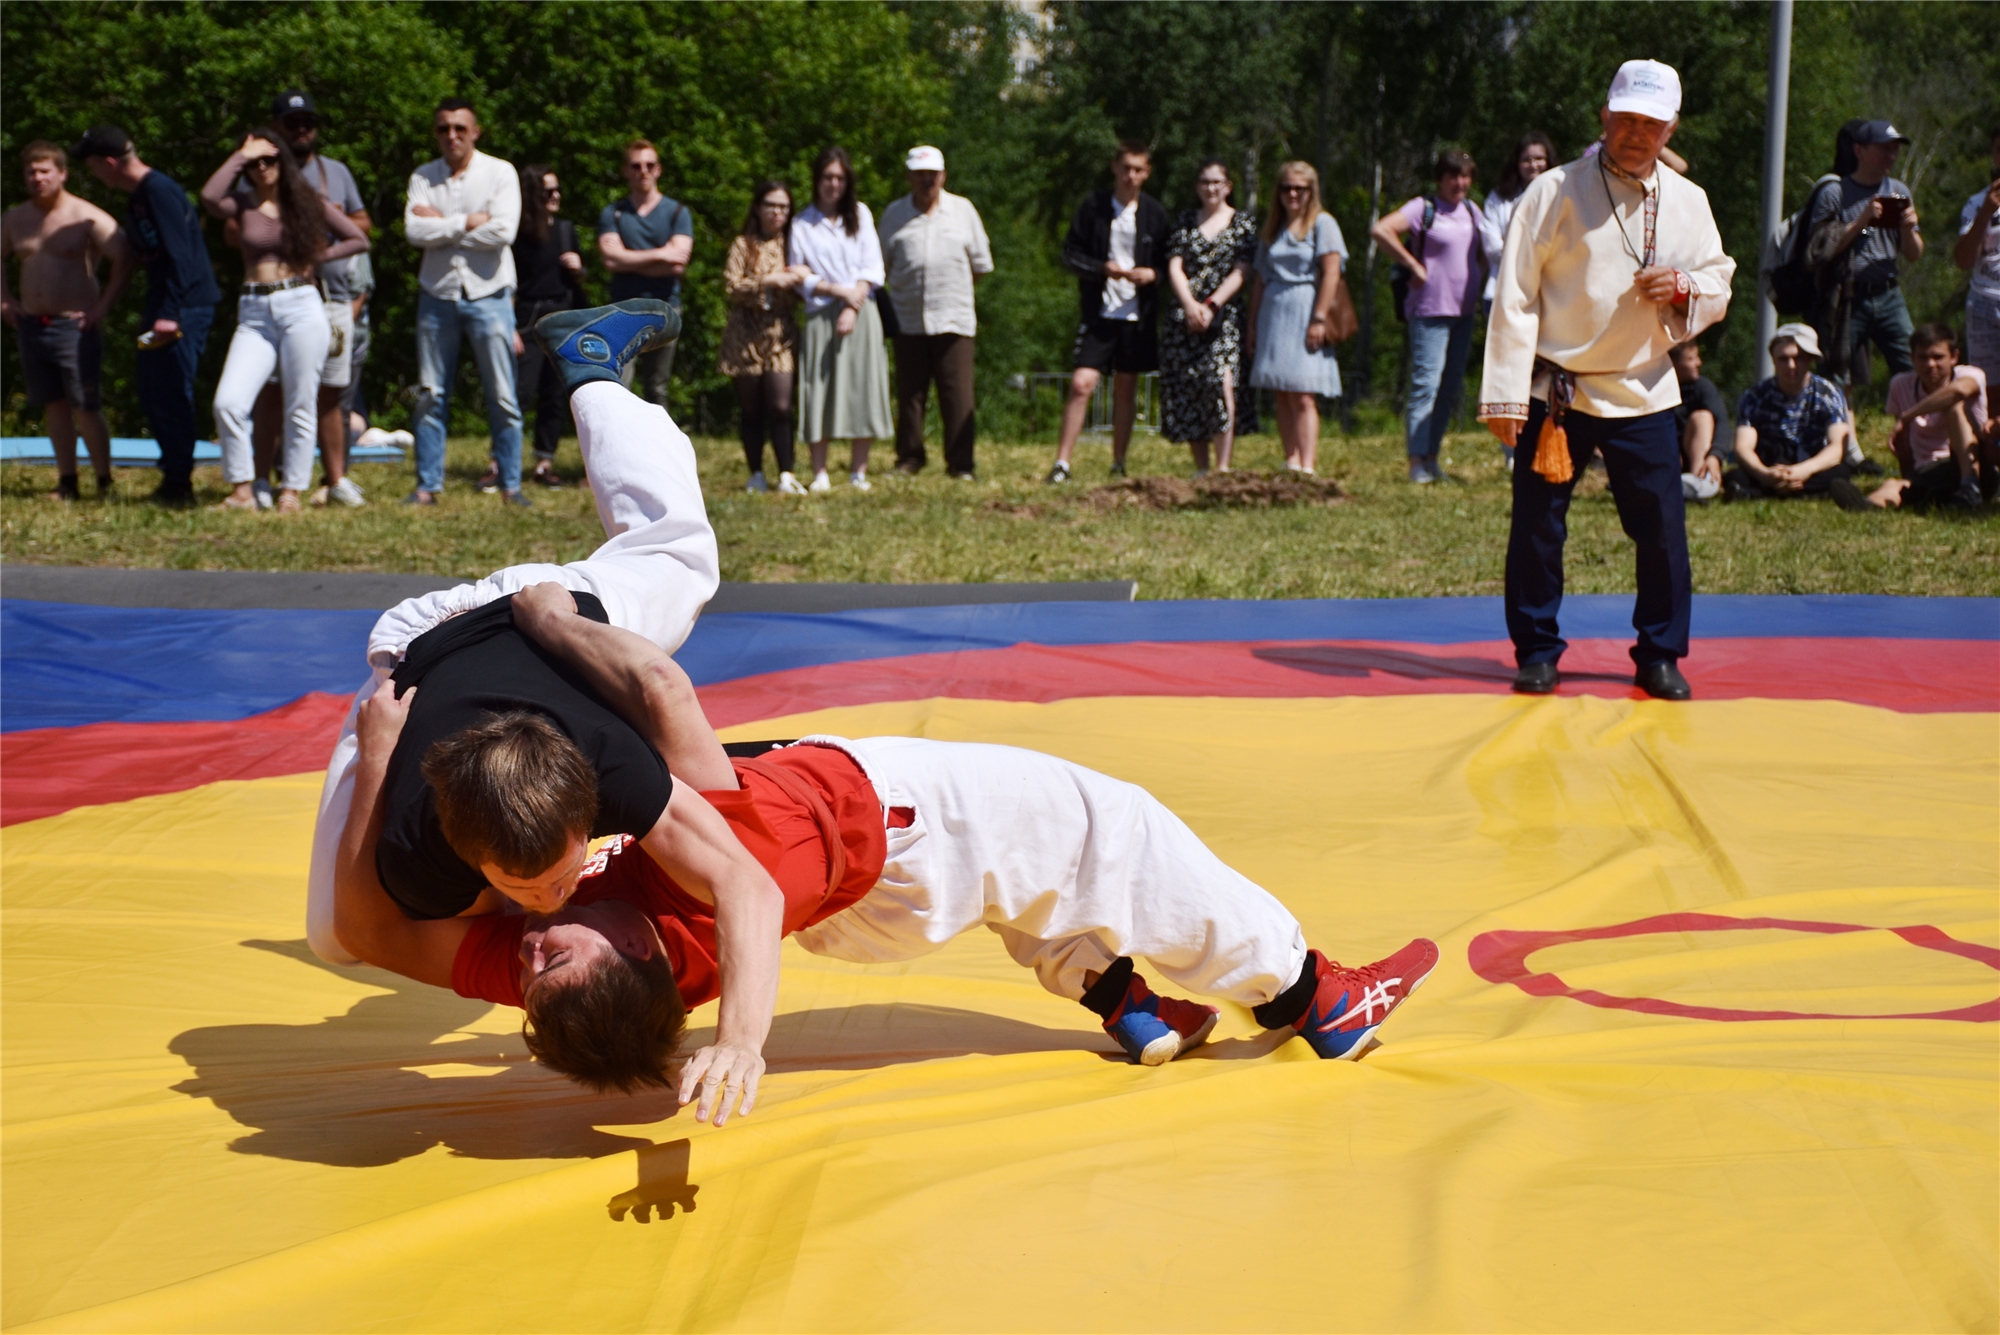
{"x": 1610, "y": 261}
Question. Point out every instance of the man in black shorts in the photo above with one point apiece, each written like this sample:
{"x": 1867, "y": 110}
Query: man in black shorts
{"x": 1116, "y": 246}
{"x": 1703, "y": 422}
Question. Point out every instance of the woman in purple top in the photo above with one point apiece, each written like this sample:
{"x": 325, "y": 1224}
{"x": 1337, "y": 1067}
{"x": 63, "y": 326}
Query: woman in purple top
{"x": 283, "y": 230}
{"x": 1447, "y": 272}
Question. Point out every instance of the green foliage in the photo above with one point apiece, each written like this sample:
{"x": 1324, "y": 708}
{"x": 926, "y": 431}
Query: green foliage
{"x": 1026, "y": 103}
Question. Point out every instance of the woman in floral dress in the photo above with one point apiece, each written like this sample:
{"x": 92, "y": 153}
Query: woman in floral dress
{"x": 762, "y": 334}
{"x": 1201, "y": 345}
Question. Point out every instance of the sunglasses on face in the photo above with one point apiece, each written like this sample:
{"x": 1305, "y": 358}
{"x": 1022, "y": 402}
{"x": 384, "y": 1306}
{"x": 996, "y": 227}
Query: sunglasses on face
{"x": 262, "y": 164}
{"x": 1294, "y": 189}
{"x": 780, "y": 205}
{"x": 446, "y": 131}
{"x": 642, "y": 166}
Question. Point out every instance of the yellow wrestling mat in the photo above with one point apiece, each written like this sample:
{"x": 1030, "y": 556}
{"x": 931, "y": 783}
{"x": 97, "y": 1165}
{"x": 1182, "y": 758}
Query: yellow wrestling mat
{"x": 206, "y": 1130}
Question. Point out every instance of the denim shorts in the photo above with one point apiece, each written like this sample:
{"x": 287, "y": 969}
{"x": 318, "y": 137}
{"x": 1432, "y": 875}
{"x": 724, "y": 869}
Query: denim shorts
{"x": 60, "y": 359}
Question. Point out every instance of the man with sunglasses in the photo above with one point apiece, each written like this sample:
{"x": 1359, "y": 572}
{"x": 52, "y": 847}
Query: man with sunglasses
{"x": 646, "y": 240}
{"x": 464, "y": 209}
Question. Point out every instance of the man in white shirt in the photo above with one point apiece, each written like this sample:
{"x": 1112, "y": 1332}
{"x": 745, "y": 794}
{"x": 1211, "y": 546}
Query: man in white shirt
{"x": 463, "y": 211}
{"x": 936, "y": 250}
{"x": 1610, "y": 261}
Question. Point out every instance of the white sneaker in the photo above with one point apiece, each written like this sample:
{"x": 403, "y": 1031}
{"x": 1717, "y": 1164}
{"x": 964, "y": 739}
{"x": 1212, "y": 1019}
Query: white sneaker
{"x": 757, "y": 484}
{"x": 820, "y": 483}
{"x": 859, "y": 481}
{"x": 261, "y": 491}
{"x": 789, "y": 485}
{"x": 348, "y": 493}
{"x": 374, "y": 436}
{"x": 1699, "y": 487}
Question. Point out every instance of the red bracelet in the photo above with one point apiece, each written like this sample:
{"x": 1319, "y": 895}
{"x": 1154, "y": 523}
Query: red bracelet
{"x": 1681, "y": 288}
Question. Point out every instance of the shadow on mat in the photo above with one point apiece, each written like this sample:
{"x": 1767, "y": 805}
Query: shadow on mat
{"x": 1338, "y": 660}
{"x": 393, "y": 1076}
{"x": 353, "y": 1091}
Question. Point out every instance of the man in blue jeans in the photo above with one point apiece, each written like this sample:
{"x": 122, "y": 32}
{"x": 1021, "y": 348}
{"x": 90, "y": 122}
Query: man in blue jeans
{"x": 164, "y": 231}
{"x": 463, "y": 211}
{"x": 1878, "y": 221}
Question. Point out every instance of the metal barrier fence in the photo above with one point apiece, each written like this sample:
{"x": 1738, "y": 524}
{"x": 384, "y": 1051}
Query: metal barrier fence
{"x": 1146, "y": 421}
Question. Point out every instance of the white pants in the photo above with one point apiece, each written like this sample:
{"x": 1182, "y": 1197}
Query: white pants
{"x": 1070, "y": 867}
{"x": 287, "y": 332}
{"x": 656, "y": 570}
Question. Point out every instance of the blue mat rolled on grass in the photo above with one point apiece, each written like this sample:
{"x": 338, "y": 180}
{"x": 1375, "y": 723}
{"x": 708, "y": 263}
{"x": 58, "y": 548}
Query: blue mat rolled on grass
{"x": 144, "y": 452}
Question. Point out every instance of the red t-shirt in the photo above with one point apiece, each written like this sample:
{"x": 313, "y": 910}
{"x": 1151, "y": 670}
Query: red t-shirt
{"x": 777, "y": 818}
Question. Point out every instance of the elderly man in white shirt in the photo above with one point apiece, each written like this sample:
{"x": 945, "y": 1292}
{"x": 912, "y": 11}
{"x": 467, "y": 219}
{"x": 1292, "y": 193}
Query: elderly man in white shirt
{"x": 936, "y": 250}
{"x": 464, "y": 209}
{"x": 1610, "y": 261}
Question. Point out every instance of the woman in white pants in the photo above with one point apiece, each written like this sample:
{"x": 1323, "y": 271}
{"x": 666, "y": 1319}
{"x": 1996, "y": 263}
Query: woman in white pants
{"x": 656, "y": 570}
{"x": 283, "y": 227}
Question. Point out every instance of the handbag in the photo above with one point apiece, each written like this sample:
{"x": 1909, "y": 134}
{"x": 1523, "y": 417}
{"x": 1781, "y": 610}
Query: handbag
{"x": 1342, "y": 323}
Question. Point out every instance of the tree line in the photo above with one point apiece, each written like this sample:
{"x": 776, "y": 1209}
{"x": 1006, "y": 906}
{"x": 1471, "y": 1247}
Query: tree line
{"x": 1027, "y": 104}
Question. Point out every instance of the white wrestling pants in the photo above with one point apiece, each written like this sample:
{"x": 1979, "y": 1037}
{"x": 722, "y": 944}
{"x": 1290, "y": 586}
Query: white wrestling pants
{"x": 1070, "y": 867}
{"x": 656, "y": 570}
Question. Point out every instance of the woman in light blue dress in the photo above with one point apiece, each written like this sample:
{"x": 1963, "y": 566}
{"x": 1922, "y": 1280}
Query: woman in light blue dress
{"x": 1296, "y": 277}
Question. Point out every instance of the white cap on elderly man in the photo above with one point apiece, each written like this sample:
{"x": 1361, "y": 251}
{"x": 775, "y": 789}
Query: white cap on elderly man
{"x": 1801, "y": 334}
{"x": 1646, "y": 88}
{"x": 924, "y": 158}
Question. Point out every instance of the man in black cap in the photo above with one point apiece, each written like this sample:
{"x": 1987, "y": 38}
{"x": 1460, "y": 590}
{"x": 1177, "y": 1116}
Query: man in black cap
{"x": 294, "y": 115}
{"x": 164, "y": 231}
{"x": 1880, "y": 219}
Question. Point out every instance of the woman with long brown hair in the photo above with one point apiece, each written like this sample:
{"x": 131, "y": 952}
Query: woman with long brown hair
{"x": 283, "y": 225}
{"x": 548, "y": 276}
{"x": 761, "y": 337}
{"x": 1296, "y": 278}
{"x": 844, "y": 370}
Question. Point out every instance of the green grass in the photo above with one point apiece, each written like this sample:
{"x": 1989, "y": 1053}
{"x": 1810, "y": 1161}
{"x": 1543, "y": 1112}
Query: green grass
{"x": 1386, "y": 539}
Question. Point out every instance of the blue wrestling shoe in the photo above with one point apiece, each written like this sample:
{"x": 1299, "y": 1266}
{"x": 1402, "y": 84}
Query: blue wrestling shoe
{"x": 1349, "y": 1005}
{"x": 1152, "y": 1029}
{"x": 596, "y": 344}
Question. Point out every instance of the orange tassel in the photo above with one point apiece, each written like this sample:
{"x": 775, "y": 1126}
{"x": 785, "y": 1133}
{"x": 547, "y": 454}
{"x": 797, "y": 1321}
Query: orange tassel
{"x": 1552, "y": 453}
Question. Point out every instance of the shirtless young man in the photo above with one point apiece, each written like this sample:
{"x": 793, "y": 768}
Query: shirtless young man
{"x": 59, "y": 312}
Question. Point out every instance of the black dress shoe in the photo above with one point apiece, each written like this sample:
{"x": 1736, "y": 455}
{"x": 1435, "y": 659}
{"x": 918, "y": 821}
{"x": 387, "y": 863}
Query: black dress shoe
{"x": 1662, "y": 681}
{"x": 1536, "y": 679}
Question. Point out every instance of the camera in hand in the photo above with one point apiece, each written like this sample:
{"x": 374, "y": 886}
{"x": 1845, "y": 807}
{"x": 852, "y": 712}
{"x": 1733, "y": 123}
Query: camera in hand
{"x": 1894, "y": 209}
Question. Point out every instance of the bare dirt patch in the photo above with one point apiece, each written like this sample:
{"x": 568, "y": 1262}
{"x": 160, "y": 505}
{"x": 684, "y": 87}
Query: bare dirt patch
{"x": 1240, "y": 490}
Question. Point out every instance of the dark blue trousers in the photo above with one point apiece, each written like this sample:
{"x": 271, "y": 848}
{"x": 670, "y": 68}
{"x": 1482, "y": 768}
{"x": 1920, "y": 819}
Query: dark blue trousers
{"x": 1642, "y": 455}
{"x": 165, "y": 381}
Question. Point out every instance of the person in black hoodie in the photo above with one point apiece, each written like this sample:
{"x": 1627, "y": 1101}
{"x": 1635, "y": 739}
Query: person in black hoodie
{"x": 1116, "y": 246}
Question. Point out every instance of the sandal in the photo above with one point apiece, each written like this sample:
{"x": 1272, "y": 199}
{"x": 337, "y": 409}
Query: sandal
{"x": 288, "y": 503}
{"x": 234, "y": 502}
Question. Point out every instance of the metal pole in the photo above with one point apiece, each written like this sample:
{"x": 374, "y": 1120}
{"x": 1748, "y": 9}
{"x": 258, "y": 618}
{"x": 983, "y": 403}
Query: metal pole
{"x": 1776, "y": 101}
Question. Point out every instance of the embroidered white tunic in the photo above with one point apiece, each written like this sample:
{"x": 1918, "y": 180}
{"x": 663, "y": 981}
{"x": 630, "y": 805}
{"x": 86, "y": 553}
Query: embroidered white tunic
{"x": 1565, "y": 292}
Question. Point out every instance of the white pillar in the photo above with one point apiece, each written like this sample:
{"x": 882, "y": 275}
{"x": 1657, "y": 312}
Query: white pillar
{"x": 1776, "y": 100}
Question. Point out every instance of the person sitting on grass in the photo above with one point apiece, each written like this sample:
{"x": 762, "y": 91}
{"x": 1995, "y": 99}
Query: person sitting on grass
{"x": 1703, "y": 419}
{"x": 1791, "y": 429}
{"x": 1940, "y": 408}
{"x": 871, "y": 851}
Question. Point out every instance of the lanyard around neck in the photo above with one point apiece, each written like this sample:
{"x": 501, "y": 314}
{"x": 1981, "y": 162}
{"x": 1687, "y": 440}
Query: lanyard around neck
{"x": 1652, "y": 197}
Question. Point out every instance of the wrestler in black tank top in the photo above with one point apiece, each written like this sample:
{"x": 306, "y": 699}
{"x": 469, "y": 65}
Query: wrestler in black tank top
{"x": 471, "y": 667}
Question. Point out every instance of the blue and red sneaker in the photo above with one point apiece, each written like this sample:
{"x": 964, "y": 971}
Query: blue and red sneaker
{"x": 1349, "y": 1005}
{"x": 1153, "y": 1029}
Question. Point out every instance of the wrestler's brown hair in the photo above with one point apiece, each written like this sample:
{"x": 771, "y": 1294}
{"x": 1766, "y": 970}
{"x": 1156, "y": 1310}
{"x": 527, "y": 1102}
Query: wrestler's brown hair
{"x": 41, "y": 150}
{"x": 513, "y": 791}
{"x": 614, "y": 1029}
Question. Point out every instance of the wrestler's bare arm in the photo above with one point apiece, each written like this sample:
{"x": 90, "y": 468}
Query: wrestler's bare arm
{"x": 639, "y": 680}
{"x": 366, "y": 921}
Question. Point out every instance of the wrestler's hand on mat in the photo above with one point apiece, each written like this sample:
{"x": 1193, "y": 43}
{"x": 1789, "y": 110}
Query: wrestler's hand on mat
{"x": 381, "y": 719}
{"x": 723, "y": 1073}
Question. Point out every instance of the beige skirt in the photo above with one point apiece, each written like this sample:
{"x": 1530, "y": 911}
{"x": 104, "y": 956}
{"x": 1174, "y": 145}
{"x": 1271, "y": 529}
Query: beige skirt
{"x": 843, "y": 383}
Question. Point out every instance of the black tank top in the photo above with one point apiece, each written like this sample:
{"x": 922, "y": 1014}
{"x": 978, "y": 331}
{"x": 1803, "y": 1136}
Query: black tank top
{"x": 471, "y": 667}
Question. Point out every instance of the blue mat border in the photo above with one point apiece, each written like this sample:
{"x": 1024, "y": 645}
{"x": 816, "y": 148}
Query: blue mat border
{"x": 66, "y": 664}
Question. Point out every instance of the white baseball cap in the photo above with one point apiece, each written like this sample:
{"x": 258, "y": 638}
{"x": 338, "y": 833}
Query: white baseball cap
{"x": 1801, "y": 334}
{"x": 924, "y": 158}
{"x": 1646, "y": 88}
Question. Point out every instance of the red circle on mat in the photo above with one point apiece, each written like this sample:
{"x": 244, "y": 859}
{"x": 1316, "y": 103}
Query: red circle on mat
{"x": 1502, "y": 957}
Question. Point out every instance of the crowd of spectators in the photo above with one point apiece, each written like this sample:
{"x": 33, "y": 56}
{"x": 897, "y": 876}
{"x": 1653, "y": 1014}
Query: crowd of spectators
{"x": 816, "y": 297}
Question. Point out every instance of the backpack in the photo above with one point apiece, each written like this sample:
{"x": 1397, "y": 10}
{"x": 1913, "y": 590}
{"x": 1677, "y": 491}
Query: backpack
{"x": 1399, "y": 275}
{"x": 1786, "y": 279}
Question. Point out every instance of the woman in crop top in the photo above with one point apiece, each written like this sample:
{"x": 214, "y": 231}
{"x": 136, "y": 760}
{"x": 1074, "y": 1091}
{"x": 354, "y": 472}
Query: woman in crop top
{"x": 283, "y": 227}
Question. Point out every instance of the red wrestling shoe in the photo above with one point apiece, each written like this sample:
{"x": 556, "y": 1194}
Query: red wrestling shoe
{"x": 1351, "y": 1004}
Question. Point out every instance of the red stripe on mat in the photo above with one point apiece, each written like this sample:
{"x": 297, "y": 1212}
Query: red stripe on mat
{"x": 46, "y": 771}
{"x": 50, "y": 770}
{"x": 1910, "y": 676}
